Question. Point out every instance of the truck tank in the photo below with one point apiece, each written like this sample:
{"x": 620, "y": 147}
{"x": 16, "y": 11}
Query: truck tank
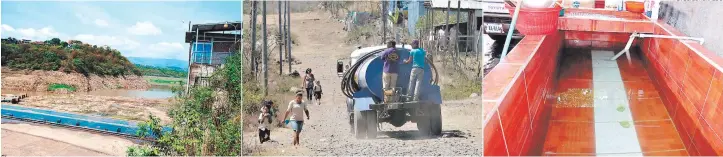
{"x": 362, "y": 84}
{"x": 367, "y": 76}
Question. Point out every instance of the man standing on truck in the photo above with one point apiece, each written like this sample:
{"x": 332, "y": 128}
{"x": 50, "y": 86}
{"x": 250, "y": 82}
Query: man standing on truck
{"x": 391, "y": 66}
{"x": 417, "y": 58}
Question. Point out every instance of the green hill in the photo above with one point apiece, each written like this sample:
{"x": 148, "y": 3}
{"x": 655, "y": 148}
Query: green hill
{"x": 57, "y": 55}
{"x": 162, "y": 71}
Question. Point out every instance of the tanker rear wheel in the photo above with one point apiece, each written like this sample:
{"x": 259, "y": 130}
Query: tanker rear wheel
{"x": 431, "y": 123}
{"x": 360, "y": 125}
{"x": 365, "y": 124}
{"x": 423, "y": 126}
{"x": 436, "y": 119}
{"x": 371, "y": 120}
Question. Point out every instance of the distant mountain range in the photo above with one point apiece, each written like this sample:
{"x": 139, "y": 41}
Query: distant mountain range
{"x": 162, "y": 63}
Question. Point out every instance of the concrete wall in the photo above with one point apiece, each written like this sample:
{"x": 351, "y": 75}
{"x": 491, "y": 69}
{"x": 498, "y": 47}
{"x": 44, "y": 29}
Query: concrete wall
{"x": 696, "y": 19}
{"x": 200, "y": 70}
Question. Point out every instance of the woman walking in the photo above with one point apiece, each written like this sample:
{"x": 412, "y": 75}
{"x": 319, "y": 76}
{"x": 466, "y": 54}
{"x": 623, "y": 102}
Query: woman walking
{"x": 297, "y": 108}
{"x": 308, "y": 84}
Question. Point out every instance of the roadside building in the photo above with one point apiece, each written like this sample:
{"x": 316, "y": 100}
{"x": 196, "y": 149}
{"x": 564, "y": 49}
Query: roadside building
{"x": 209, "y": 45}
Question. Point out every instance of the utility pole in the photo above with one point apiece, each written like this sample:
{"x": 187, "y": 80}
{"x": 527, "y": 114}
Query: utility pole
{"x": 288, "y": 33}
{"x": 279, "y": 40}
{"x": 480, "y": 49}
{"x": 457, "y": 33}
{"x": 188, "y": 74}
{"x": 384, "y": 21}
{"x": 394, "y": 23}
{"x": 434, "y": 33}
{"x": 241, "y": 53}
{"x": 264, "y": 56}
{"x": 446, "y": 35}
{"x": 254, "y": 10}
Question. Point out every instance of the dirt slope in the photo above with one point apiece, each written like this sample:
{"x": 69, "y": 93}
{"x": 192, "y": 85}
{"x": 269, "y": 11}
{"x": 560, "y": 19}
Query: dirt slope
{"x": 328, "y": 133}
{"x": 38, "y": 81}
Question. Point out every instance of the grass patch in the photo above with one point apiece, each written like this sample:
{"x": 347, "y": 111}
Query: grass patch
{"x": 165, "y": 81}
{"x": 360, "y": 33}
{"x": 461, "y": 89}
{"x": 56, "y": 86}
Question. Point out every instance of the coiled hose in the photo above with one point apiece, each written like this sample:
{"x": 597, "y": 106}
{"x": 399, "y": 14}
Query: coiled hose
{"x": 349, "y": 86}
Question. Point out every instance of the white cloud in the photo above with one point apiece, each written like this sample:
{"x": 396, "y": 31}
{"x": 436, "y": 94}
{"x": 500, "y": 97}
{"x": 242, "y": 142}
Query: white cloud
{"x": 121, "y": 43}
{"x": 41, "y": 34}
{"x": 144, "y": 28}
{"x": 101, "y": 22}
{"x": 92, "y": 15}
{"x": 7, "y": 28}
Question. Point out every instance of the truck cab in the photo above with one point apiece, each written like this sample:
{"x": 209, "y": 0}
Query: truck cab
{"x": 497, "y": 20}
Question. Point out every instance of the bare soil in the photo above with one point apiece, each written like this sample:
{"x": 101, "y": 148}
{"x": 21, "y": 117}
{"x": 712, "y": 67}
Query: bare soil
{"x": 328, "y": 132}
{"x": 38, "y": 81}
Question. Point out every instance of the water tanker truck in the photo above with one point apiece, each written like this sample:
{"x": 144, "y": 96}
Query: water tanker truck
{"x": 369, "y": 105}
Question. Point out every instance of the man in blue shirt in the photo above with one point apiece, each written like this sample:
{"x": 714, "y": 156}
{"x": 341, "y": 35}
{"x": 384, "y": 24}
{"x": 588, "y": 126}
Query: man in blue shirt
{"x": 417, "y": 57}
{"x": 391, "y": 68}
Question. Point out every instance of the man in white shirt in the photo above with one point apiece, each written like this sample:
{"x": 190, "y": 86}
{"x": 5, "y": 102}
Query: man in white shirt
{"x": 297, "y": 108}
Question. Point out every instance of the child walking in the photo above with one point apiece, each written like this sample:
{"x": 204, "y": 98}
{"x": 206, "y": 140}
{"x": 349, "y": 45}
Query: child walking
{"x": 317, "y": 92}
{"x": 265, "y": 121}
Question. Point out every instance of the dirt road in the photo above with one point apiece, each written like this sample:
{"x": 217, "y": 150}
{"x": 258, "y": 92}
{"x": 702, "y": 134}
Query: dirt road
{"x": 328, "y": 132}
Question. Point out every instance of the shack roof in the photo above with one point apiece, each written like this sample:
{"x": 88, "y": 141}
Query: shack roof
{"x": 221, "y": 26}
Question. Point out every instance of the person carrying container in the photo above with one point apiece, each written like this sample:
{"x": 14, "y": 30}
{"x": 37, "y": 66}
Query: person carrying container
{"x": 296, "y": 108}
{"x": 391, "y": 68}
{"x": 417, "y": 58}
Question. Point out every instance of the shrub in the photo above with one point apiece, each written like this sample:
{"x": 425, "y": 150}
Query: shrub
{"x": 56, "y": 56}
{"x": 206, "y": 121}
{"x": 56, "y": 86}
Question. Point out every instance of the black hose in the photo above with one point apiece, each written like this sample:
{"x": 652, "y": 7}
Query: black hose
{"x": 349, "y": 86}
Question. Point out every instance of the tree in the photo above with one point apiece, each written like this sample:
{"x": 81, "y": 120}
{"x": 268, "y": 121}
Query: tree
{"x": 12, "y": 40}
{"x": 55, "y": 41}
{"x": 64, "y": 44}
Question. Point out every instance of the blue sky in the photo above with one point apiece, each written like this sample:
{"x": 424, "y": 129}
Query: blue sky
{"x": 136, "y": 29}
